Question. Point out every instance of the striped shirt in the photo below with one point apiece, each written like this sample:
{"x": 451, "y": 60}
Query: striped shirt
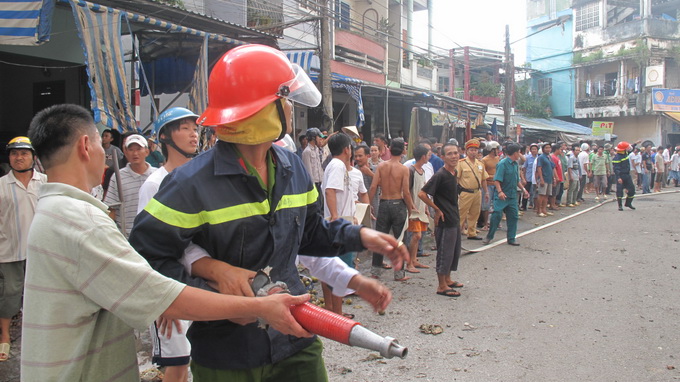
{"x": 131, "y": 182}
{"x": 86, "y": 289}
{"x": 17, "y": 206}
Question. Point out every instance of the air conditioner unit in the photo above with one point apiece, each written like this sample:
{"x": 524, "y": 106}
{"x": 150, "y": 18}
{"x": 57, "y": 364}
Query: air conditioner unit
{"x": 654, "y": 76}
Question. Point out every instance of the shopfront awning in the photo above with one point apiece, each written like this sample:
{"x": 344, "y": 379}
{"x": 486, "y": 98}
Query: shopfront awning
{"x": 26, "y": 22}
{"x": 352, "y": 86}
{"x": 542, "y": 124}
{"x": 673, "y": 116}
{"x": 307, "y": 59}
{"x": 551, "y": 125}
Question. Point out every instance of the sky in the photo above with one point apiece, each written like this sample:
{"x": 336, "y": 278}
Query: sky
{"x": 477, "y": 23}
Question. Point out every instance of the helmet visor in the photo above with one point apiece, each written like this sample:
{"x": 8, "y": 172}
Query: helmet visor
{"x": 300, "y": 89}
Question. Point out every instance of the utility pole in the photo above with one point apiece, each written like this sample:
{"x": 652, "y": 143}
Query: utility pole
{"x": 452, "y": 73}
{"x": 326, "y": 47}
{"x": 507, "y": 99}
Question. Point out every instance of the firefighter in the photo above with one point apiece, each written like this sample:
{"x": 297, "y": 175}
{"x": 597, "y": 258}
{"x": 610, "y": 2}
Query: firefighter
{"x": 250, "y": 205}
{"x": 621, "y": 165}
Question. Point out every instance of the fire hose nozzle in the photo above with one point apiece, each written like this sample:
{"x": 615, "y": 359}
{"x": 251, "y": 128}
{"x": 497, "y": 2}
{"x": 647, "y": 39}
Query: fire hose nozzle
{"x": 328, "y": 324}
{"x": 387, "y": 346}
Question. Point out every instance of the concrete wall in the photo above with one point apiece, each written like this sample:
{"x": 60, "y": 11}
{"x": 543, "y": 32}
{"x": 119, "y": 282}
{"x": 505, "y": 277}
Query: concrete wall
{"x": 300, "y": 36}
{"x": 632, "y": 129}
{"x": 359, "y": 14}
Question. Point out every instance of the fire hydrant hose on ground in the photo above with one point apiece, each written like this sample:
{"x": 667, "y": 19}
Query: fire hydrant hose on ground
{"x": 328, "y": 324}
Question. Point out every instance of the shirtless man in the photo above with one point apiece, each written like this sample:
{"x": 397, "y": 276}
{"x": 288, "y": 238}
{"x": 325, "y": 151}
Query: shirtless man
{"x": 395, "y": 202}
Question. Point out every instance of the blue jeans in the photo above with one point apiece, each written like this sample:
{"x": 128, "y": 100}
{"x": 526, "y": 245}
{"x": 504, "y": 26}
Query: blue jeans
{"x": 645, "y": 182}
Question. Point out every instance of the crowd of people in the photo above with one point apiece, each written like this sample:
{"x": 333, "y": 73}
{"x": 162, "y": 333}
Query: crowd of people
{"x": 169, "y": 241}
{"x": 493, "y": 183}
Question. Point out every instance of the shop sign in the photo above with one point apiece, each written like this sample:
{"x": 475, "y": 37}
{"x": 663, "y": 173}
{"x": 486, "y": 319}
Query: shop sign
{"x": 665, "y": 99}
{"x": 602, "y": 128}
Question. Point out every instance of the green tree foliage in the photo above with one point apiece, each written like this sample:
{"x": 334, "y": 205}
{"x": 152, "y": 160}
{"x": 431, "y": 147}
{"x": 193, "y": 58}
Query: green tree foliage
{"x": 176, "y": 3}
{"x": 530, "y": 104}
{"x": 486, "y": 88}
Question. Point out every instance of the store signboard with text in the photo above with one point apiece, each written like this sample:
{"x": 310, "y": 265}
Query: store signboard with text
{"x": 666, "y": 99}
{"x": 602, "y": 128}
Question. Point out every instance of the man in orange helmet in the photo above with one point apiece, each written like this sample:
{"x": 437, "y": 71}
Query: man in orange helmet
{"x": 621, "y": 164}
{"x": 250, "y": 205}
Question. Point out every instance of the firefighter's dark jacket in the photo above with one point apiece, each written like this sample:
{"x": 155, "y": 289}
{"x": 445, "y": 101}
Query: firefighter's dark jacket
{"x": 621, "y": 164}
{"x": 213, "y": 202}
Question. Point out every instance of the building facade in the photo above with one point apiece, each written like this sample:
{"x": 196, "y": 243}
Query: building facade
{"x": 621, "y": 51}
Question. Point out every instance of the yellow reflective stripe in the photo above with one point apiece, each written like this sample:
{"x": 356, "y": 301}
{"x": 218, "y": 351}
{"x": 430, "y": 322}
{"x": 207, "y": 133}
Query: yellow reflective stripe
{"x": 298, "y": 200}
{"x": 185, "y": 220}
{"x": 619, "y": 161}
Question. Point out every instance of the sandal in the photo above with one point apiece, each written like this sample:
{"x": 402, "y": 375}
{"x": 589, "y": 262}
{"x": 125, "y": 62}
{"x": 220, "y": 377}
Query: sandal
{"x": 456, "y": 284}
{"x": 449, "y": 293}
{"x": 348, "y": 315}
{"x": 386, "y": 266}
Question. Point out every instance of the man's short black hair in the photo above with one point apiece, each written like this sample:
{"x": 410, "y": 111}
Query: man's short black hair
{"x": 167, "y": 131}
{"x": 301, "y": 138}
{"x": 107, "y": 131}
{"x": 381, "y": 137}
{"x": 367, "y": 150}
{"x": 447, "y": 144}
{"x": 556, "y": 146}
{"x": 512, "y": 148}
{"x": 338, "y": 142}
{"x": 419, "y": 151}
{"x": 57, "y": 127}
{"x": 397, "y": 147}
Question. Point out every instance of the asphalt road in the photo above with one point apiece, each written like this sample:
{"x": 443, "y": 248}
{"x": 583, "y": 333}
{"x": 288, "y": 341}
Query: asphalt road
{"x": 593, "y": 298}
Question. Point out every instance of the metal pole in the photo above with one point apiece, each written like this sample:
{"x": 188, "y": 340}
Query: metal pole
{"x": 326, "y": 47}
{"x": 508, "y": 83}
{"x": 119, "y": 184}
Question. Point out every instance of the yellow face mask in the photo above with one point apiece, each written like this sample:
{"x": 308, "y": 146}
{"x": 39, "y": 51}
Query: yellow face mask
{"x": 264, "y": 126}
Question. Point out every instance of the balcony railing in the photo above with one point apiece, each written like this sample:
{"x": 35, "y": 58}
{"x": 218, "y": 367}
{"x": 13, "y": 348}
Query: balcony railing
{"x": 343, "y": 54}
{"x": 636, "y": 28}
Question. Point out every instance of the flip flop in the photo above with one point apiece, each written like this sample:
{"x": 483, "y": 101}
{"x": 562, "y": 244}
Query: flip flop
{"x": 4, "y": 352}
{"x": 386, "y": 266}
{"x": 412, "y": 270}
{"x": 456, "y": 284}
{"x": 423, "y": 266}
{"x": 449, "y": 293}
{"x": 348, "y": 315}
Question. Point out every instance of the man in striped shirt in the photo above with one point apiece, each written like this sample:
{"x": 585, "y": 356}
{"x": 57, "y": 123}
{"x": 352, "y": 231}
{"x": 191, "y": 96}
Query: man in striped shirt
{"x": 132, "y": 177}
{"x": 86, "y": 287}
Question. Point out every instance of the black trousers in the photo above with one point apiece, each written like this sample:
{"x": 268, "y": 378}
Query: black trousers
{"x": 627, "y": 183}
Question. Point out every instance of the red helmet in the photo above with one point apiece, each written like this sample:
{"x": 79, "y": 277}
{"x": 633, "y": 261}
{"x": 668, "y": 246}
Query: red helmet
{"x": 623, "y": 146}
{"x": 248, "y": 78}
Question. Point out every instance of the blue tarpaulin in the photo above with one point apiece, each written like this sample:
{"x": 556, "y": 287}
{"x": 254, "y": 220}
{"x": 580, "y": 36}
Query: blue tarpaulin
{"x": 25, "y": 22}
